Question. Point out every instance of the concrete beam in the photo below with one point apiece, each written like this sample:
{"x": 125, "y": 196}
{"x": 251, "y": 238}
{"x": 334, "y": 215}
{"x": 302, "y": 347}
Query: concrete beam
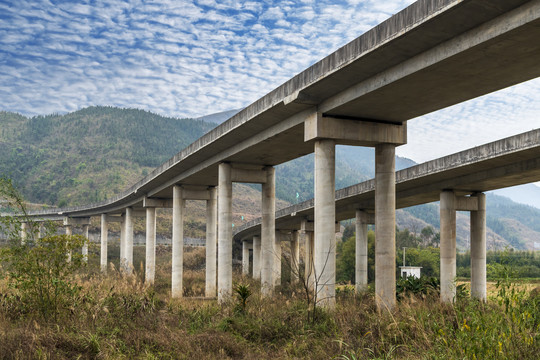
{"x": 189, "y": 194}
{"x": 466, "y": 203}
{"x": 76, "y": 221}
{"x": 307, "y": 225}
{"x": 157, "y": 203}
{"x": 248, "y": 176}
{"x": 353, "y": 132}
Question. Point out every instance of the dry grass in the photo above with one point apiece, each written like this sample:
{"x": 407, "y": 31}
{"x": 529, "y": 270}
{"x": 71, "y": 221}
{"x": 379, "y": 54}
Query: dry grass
{"x": 120, "y": 317}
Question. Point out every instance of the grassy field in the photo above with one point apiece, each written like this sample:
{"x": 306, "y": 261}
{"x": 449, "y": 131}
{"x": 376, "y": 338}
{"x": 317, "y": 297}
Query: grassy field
{"x": 118, "y": 317}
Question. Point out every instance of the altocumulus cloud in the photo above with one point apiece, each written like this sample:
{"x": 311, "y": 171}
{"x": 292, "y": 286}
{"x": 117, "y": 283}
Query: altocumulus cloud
{"x": 178, "y": 58}
{"x": 190, "y": 58}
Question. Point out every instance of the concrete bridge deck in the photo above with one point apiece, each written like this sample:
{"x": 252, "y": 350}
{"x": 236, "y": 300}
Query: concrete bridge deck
{"x": 503, "y": 163}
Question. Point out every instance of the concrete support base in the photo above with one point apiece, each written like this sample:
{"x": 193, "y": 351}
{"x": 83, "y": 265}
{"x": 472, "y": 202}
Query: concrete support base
{"x": 325, "y": 219}
{"x": 211, "y": 243}
{"x": 448, "y": 246}
{"x": 224, "y": 232}
{"x": 177, "y": 243}
{"x": 150, "y": 263}
{"x": 104, "y": 240}
{"x": 478, "y": 249}
{"x": 385, "y": 226}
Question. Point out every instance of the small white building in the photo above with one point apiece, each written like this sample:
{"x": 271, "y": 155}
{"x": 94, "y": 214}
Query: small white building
{"x": 410, "y": 271}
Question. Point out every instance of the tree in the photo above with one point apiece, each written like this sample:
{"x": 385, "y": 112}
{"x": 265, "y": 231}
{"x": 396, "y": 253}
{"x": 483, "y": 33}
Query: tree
{"x": 38, "y": 268}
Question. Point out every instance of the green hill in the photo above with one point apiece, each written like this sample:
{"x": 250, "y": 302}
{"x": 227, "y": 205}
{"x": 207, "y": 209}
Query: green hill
{"x": 90, "y": 154}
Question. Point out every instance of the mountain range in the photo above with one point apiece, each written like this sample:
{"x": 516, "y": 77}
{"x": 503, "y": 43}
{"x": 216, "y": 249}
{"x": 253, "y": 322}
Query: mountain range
{"x": 91, "y": 154}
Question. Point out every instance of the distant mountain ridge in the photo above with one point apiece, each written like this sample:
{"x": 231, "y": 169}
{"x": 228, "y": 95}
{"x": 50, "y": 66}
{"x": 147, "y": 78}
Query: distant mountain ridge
{"x": 218, "y": 118}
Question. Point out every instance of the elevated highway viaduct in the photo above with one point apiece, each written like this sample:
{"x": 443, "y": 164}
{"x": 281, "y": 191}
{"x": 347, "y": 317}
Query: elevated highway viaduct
{"x": 432, "y": 54}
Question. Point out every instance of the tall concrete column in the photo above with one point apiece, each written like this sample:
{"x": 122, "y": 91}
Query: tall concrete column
{"x": 277, "y": 259}
{"x": 325, "y": 220}
{"x": 150, "y": 263}
{"x": 257, "y": 257}
{"x": 177, "y": 243}
{"x": 122, "y": 242}
{"x": 385, "y": 226}
{"x": 24, "y": 233}
{"x": 309, "y": 266}
{"x": 478, "y": 249}
{"x": 104, "y": 239}
{"x": 268, "y": 227}
{"x": 69, "y": 232}
{"x": 211, "y": 246}
{"x": 84, "y": 250}
{"x": 361, "y": 270}
{"x": 448, "y": 245}
{"x": 295, "y": 256}
{"x": 224, "y": 232}
{"x": 245, "y": 258}
{"x": 128, "y": 264}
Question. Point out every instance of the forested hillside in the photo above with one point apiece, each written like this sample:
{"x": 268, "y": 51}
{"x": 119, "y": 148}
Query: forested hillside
{"x": 88, "y": 155}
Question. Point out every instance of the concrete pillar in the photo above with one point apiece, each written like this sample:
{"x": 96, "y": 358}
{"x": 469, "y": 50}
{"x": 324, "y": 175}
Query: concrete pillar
{"x": 295, "y": 256}
{"x": 277, "y": 259}
{"x": 325, "y": 220}
{"x": 478, "y": 249}
{"x": 224, "y": 232}
{"x": 361, "y": 270}
{"x": 448, "y": 245}
{"x": 211, "y": 246}
{"x": 150, "y": 263}
{"x": 128, "y": 255}
{"x": 257, "y": 257}
{"x": 177, "y": 243}
{"x": 309, "y": 269}
{"x": 24, "y": 233}
{"x": 69, "y": 232}
{"x": 122, "y": 242}
{"x": 104, "y": 239}
{"x": 84, "y": 250}
{"x": 268, "y": 227}
{"x": 245, "y": 258}
{"x": 41, "y": 229}
{"x": 385, "y": 226}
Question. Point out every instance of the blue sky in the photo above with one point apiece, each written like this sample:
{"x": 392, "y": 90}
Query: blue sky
{"x": 192, "y": 58}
